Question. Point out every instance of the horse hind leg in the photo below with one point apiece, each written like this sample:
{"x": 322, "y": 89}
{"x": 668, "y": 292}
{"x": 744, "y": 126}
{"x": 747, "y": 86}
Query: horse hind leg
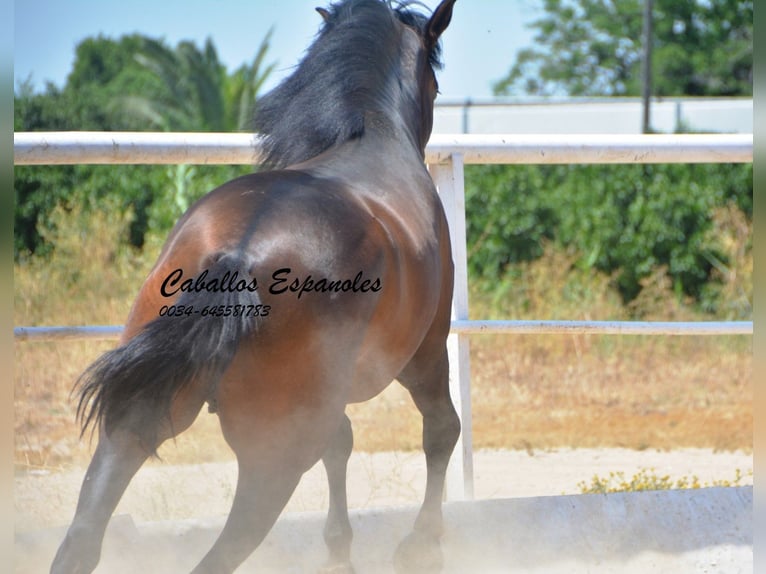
{"x": 117, "y": 458}
{"x": 428, "y": 384}
{"x": 262, "y": 492}
{"x": 272, "y": 456}
{"x": 337, "y": 531}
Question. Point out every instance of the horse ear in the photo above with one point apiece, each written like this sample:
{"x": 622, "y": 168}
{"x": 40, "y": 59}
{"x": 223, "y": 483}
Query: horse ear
{"x": 439, "y": 21}
{"x": 324, "y": 13}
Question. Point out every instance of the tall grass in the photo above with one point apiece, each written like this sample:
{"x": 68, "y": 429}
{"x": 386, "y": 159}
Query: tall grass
{"x": 528, "y": 392}
{"x": 89, "y": 277}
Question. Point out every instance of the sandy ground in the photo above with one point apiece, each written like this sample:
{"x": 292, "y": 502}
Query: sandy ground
{"x": 163, "y": 492}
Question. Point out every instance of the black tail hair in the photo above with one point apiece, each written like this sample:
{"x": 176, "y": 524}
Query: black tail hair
{"x": 133, "y": 386}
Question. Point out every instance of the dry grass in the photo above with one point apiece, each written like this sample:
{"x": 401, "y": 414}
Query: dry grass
{"x": 528, "y": 392}
{"x": 580, "y": 391}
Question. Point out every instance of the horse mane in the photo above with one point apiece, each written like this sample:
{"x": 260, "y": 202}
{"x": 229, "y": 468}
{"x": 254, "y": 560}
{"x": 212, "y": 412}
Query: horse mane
{"x": 346, "y": 72}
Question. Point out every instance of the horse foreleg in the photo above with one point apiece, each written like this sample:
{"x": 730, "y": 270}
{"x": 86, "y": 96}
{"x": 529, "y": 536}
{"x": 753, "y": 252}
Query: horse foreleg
{"x": 116, "y": 460}
{"x": 337, "y": 530}
{"x": 429, "y": 386}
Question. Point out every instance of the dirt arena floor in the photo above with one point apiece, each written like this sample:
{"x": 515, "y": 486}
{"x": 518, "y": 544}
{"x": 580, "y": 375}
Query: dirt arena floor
{"x": 45, "y": 499}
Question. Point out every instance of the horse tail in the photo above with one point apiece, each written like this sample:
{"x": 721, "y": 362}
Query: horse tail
{"x": 133, "y": 386}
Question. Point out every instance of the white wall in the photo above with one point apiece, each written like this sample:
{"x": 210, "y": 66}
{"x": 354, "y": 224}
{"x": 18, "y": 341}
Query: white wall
{"x": 617, "y": 116}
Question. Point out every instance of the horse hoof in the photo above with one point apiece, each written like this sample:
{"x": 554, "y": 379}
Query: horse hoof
{"x": 340, "y": 568}
{"x": 419, "y": 553}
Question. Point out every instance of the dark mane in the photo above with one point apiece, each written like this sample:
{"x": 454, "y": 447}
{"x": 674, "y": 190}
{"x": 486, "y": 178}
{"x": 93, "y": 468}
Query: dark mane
{"x": 344, "y": 73}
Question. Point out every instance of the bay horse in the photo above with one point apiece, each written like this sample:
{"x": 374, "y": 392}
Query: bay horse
{"x": 284, "y": 295}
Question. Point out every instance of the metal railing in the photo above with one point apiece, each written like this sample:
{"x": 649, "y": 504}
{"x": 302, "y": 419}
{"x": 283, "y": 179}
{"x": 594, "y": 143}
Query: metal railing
{"x": 62, "y": 148}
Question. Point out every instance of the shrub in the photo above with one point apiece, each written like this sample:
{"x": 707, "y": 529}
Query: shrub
{"x": 624, "y": 221}
{"x": 648, "y": 479}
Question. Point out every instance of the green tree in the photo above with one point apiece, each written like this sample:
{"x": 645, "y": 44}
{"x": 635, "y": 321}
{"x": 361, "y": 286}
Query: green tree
{"x": 196, "y": 93}
{"x": 105, "y": 76}
{"x": 103, "y": 71}
{"x": 593, "y": 48}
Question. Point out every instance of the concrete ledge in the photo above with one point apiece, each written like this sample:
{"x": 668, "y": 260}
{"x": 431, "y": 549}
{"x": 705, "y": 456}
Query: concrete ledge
{"x": 704, "y": 530}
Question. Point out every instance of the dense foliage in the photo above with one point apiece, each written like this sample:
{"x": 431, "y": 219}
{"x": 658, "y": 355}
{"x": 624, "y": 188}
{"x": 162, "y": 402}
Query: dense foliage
{"x": 134, "y": 84}
{"x": 625, "y": 221}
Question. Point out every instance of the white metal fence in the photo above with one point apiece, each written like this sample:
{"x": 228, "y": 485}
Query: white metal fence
{"x": 446, "y": 156}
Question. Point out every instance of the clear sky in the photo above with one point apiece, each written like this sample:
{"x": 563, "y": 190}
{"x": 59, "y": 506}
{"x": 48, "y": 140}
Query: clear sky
{"x": 479, "y": 46}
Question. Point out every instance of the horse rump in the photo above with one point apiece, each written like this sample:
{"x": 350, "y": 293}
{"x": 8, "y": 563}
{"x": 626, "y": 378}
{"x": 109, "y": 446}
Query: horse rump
{"x": 133, "y": 386}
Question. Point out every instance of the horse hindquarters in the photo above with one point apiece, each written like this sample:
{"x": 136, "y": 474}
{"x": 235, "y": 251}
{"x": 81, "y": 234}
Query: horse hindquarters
{"x": 280, "y": 406}
{"x": 147, "y": 390}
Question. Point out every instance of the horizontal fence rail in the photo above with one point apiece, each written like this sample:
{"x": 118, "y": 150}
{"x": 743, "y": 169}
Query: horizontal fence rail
{"x": 62, "y": 148}
{"x": 91, "y": 332}
{"x": 603, "y": 327}
{"x": 696, "y": 328}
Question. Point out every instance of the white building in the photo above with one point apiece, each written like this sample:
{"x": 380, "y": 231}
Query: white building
{"x": 603, "y": 115}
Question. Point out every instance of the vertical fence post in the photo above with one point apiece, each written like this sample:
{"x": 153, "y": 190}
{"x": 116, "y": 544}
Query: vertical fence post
{"x": 448, "y": 177}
